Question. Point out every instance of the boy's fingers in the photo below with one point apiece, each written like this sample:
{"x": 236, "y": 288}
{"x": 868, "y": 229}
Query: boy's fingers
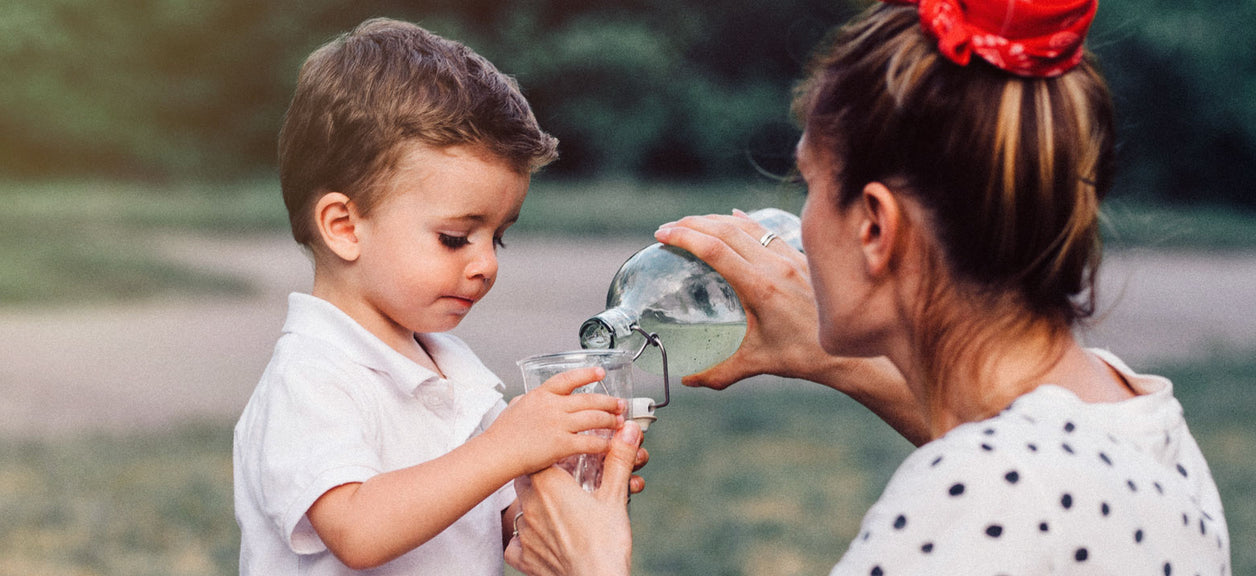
{"x": 593, "y": 420}
{"x": 602, "y": 402}
{"x": 566, "y": 382}
{"x": 617, "y": 469}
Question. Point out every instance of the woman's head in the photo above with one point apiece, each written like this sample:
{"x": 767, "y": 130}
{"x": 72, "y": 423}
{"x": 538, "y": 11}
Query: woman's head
{"x": 1008, "y": 169}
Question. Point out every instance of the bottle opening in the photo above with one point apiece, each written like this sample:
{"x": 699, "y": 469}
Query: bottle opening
{"x": 595, "y": 334}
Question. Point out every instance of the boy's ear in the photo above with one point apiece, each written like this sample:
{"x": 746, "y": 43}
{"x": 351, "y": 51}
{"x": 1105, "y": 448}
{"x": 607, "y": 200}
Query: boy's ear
{"x": 881, "y": 229}
{"x": 337, "y": 220}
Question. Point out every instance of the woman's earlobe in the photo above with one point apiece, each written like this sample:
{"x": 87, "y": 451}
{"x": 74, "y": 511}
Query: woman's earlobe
{"x": 337, "y": 221}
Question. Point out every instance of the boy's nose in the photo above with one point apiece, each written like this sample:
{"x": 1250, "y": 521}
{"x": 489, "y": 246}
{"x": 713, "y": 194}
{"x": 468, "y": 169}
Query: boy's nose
{"x": 483, "y": 265}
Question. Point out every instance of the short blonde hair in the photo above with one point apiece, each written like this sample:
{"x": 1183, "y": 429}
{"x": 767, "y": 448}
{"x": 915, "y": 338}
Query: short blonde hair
{"x": 360, "y": 97}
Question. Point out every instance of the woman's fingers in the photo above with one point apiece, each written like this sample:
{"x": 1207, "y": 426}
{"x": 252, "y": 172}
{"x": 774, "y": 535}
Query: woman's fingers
{"x": 619, "y": 462}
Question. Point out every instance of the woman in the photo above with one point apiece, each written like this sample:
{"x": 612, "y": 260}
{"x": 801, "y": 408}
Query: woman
{"x": 955, "y": 154}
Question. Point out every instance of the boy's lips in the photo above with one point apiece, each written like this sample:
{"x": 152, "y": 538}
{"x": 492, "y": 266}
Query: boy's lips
{"x": 464, "y": 300}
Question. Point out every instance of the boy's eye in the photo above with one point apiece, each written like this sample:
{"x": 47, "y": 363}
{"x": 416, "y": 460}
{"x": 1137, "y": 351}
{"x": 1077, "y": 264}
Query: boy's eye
{"x": 451, "y": 241}
{"x": 499, "y": 242}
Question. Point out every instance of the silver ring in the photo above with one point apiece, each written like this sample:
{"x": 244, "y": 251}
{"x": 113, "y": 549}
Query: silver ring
{"x": 518, "y": 515}
{"x": 767, "y": 238}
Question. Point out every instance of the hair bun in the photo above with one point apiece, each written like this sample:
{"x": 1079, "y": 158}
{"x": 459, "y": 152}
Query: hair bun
{"x": 1037, "y": 38}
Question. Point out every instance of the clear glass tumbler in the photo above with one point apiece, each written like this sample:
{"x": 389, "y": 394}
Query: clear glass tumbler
{"x": 587, "y": 468}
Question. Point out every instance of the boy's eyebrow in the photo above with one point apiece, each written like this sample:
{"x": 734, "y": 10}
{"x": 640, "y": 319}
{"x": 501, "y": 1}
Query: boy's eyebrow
{"x": 481, "y": 218}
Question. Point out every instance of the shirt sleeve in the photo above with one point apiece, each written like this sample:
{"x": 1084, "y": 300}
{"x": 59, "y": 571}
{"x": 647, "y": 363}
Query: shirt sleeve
{"x": 314, "y": 437}
{"x": 962, "y": 506}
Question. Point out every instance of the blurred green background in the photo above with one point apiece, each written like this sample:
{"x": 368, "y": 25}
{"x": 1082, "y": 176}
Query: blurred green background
{"x": 124, "y": 119}
{"x": 167, "y": 90}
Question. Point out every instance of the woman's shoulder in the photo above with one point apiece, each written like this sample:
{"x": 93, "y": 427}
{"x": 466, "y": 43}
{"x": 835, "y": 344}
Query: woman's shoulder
{"x": 1040, "y": 484}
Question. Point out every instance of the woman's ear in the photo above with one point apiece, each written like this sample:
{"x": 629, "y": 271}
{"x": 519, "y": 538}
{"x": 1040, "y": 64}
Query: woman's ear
{"x": 881, "y": 229}
{"x": 337, "y": 220}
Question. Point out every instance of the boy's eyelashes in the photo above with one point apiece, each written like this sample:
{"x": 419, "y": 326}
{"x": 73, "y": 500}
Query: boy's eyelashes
{"x": 454, "y": 242}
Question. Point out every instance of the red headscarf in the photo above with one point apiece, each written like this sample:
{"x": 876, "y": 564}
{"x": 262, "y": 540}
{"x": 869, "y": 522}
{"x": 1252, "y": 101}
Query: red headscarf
{"x": 1038, "y": 38}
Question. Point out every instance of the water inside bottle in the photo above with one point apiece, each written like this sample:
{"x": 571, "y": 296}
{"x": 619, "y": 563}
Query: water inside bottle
{"x": 691, "y": 348}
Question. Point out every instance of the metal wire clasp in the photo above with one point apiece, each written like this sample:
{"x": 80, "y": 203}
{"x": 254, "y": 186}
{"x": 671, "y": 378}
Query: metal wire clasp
{"x": 653, "y": 339}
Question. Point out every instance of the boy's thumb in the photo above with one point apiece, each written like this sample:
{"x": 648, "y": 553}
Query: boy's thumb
{"x": 617, "y": 468}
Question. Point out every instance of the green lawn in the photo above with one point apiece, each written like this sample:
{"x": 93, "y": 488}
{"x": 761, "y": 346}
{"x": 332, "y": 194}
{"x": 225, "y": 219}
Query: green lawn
{"x": 740, "y": 482}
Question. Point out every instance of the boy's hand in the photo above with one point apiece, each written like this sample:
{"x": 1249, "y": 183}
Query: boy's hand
{"x": 543, "y": 426}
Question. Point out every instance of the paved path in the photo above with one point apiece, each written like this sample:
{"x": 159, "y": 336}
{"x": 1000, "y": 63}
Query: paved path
{"x": 150, "y": 364}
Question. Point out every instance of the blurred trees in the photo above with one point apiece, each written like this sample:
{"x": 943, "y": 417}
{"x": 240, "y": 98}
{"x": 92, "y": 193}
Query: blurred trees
{"x": 165, "y": 89}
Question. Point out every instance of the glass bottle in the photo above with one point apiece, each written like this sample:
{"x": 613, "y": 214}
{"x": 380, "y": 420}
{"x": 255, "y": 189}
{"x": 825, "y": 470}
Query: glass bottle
{"x": 665, "y": 291}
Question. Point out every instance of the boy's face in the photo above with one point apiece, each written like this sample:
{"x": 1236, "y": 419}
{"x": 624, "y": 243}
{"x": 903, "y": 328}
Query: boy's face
{"x": 429, "y": 249}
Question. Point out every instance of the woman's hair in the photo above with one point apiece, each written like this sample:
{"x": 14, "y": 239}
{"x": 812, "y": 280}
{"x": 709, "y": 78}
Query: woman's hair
{"x": 1010, "y": 169}
{"x": 363, "y": 96}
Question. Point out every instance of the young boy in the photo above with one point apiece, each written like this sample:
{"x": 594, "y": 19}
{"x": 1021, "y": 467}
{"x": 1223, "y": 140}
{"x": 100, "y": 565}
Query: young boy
{"x": 374, "y": 440}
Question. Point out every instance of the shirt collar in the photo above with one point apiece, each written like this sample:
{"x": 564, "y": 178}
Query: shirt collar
{"x": 317, "y": 318}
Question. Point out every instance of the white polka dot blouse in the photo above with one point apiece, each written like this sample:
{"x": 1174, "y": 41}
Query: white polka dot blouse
{"x": 1052, "y": 485}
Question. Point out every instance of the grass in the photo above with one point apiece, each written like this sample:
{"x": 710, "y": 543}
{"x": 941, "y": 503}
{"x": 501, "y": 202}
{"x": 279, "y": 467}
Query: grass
{"x": 85, "y": 242}
{"x": 740, "y": 482}
{"x": 747, "y": 481}
{"x": 96, "y": 242}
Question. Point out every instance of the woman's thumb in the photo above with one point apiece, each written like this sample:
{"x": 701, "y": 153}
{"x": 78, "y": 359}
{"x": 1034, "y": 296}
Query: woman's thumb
{"x": 617, "y": 469}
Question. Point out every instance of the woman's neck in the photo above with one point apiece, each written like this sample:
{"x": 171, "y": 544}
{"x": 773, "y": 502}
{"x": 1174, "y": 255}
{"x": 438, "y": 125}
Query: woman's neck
{"x": 1007, "y": 368}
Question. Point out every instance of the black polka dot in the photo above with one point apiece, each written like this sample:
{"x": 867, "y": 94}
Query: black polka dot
{"x": 1043, "y": 527}
{"x": 1032, "y": 447}
{"x": 1066, "y": 501}
{"x": 1185, "y": 519}
{"x": 1168, "y": 569}
{"x": 987, "y": 447}
{"x": 1012, "y": 477}
{"x": 988, "y": 431}
{"x": 865, "y": 536}
{"x": 1105, "y": 458}
{"x": 994, "y": 530}
{"x": 935, "y": 462}
{"x": 1067, "y": 448}
{"x": 1132, "y": 485}
{"x": 1203, "y": 529}
{"x": 1138, "y": 536}
{"x": 877, "y": 571}
{"x": 900, "y": 522}
{"x": 1105, "y": 509}
{"x": 1159, "y": 488}
{"x": 1081, "y": 555}
{"x": 927, "y": 547}
{"x": 1069, "y": 427}
{"x": 956, "y": 489}
{"x": 1181, "y": 471}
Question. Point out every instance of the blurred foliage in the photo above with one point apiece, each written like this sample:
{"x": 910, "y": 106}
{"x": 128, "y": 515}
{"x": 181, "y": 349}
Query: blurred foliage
{"x": 173, "y": 89}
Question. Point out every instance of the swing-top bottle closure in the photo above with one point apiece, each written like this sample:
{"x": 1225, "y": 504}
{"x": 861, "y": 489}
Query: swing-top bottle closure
{"x": 618, "y": 326}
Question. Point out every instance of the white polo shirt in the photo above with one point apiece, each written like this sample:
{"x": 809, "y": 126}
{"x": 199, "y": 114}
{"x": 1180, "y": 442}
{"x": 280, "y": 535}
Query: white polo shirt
{"x": 336, "y": 405}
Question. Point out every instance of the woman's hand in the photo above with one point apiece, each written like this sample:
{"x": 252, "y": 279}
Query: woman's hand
{"x": 566, "y": 531}
{"x": 773, "y": 283}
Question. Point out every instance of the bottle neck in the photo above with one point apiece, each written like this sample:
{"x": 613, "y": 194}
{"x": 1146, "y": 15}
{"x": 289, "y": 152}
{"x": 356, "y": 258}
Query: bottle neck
{"x": 609, "y": 329}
